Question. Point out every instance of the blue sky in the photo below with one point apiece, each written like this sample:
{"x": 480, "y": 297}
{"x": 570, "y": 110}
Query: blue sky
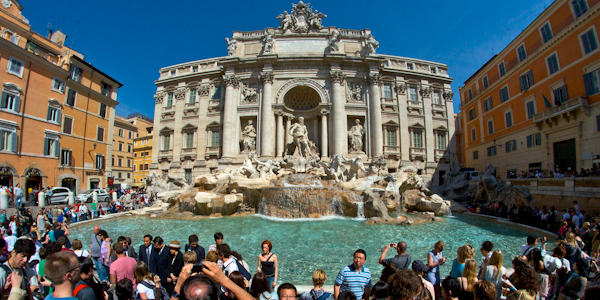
{"x": 131, "y": 39}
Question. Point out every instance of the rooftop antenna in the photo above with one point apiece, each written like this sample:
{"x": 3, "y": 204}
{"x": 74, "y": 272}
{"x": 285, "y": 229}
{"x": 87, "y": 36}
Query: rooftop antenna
{"x": 49, "y": 27}
{"x": 74, "y": 34}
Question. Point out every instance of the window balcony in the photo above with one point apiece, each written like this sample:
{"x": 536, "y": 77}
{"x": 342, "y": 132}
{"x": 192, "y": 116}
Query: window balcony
{"x": 418, "y": 153}
{"x": 165, "y": 155}
{"x": 392, "y": 152}
{"x": 212, "y": 152}
{"x": 440, "y": 154}
{"x": 566, "y": 110}
{"x": 188, "y": 153}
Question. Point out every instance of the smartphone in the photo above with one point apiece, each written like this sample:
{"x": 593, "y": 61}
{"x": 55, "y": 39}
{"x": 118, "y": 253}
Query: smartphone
{"x": 197, "y": 268}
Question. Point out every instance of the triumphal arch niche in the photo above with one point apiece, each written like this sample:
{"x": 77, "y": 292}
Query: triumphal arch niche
{"x": 302, "y": 85}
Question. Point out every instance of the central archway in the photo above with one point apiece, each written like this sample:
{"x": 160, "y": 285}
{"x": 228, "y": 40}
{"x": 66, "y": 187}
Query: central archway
{"x": 301, "y": 98}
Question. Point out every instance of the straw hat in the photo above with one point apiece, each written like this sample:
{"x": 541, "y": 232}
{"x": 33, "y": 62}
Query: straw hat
{"x": 175, "y": 244}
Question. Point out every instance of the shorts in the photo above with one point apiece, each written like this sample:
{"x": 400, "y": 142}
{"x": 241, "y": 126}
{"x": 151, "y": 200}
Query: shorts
{"x": 596, "y": 246}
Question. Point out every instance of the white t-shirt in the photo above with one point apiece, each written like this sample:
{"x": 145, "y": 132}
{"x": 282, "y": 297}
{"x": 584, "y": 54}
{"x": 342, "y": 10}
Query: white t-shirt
{"x": 13, "y": 228}
{"x": 30, "y": 273}
{"x": 81, "y": 253}
{"x": 143, "y": 289}
{"x": 10, "y": 242}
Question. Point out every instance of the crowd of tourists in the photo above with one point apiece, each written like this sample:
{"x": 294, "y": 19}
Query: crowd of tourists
{"x": 593, "y": 172}
{"x": 49, "y": 265}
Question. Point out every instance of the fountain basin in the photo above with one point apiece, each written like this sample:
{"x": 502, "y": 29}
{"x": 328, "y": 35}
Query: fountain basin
{"x": 309, "y": 202}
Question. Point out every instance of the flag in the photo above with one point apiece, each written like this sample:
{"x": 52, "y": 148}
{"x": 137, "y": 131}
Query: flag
{"x": 546, "y": 101}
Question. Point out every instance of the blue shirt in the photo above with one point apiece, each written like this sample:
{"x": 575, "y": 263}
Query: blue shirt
{"x": 457, "y": 269}
{"x": 50, "y": 297}
{"x": 355, "y": 281}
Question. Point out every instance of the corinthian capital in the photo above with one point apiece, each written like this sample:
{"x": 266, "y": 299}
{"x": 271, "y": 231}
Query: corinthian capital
{"x": 374, "y": 79}
{"x": 159, "y": 96}
{"x": 337, "y": 77}
{"x": 180, "y": 93}
{"x": 266, "y": 77}
{"x": 448, "y": 94}
{"x": 231, "y": 80}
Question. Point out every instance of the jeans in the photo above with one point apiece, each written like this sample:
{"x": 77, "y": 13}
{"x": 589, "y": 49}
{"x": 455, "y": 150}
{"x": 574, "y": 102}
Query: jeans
{"x": 271, "y": 280}
{"x": 102, "y": 271}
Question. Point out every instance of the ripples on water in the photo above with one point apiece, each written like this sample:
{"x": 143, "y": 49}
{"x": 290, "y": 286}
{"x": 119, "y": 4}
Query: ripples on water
{"x": 303, "y": 246}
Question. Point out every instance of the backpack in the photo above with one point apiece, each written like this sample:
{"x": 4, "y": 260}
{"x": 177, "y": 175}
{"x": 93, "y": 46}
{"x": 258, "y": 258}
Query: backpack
{"x": 323, "y": 297}
{"x": 24, "y": 282}
{"x": 243, "y": 270}
{"x": 165, "y": 295}
{"x": 79, "y": 288}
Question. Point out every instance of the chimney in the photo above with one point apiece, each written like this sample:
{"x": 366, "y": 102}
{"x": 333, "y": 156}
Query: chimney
{"x": 58, "y": 37}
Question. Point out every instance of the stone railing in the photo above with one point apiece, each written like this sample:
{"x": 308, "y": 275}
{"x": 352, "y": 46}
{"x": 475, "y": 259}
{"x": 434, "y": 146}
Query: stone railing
{"x": 414, "y": 103}
{"x": 417, "y": 152}
{"x": 579, "y": 102}
{"x": 188, "y": 150}
{"x": 570, "y": 184}
{"x": 212, "y": 151}
{"x": 439, "y": 154}
{"x": 165, "y": 154}
{"x": 391, "y": 149}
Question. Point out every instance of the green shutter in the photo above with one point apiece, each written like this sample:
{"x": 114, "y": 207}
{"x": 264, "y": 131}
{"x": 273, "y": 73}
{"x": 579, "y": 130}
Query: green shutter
{"x": 56, "y": 148}
{"x": 3, "y": 102}
{"x": 46, "y": 146}
{"x": 14, "y": 142}
{"x": 49, "y": 113}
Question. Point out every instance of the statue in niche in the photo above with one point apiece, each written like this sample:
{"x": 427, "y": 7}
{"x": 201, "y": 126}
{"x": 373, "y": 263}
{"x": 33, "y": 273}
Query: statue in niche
{"x": 231, "y": 46}
{"x": 355, "y": 136}
{"x": 300, "y": 134}
{"x": 372, "y": 44}
{"x": 355, "y": 165}
{"x": 249, "y": 138}
{"x": 268, "y": 43}
{"x": 334, "y": 41}
{"x": 286, "y": 20}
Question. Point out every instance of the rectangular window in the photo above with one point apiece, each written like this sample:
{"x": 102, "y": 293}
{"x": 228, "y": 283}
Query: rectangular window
{"x": 418, "y": 139}
{"x": 129, "y": 163}
{"x": 511, "y": 146}
{"x": 412, "y": 94}
{"x": 592, "y": 82}
{"x": 192, "y": 96}
{"x": 120, "y": 162}
{"x": 189, "y": 140}
{"x": 437, "y": 97}
{"x": 68, "y": 125}
{"x": 134, "y": 167}
{"x": 475, "y": 154}
{"x": 58, "y": 85}
{"x": 560, "y": 95}
{"x": 440, "y": 141}
{"x": 391, "y": 137}
{"x": 504, "y": 94}
{"x": 530, "y": 107}
{"x": 217, "y": 93}
{"x": 486, "y": 83}
{"x": 65, "y": 157}
{"x": 580, "y": 7}
{"x": 473, "y": 134}
{"x": 120, "y": 146}
{"x": 589, "y": 41}
{"x": 214, "y": 142}
{"x": 470, "y": 94}
{"x": 100, "y": 134}
{"x": 76, "y": 73}
{"x": 521, "y": 52}
{"x": 546, "y": 32}
{"x": 106, "y": 89}
{"x": 53, "y": 114}
{"x": 472, "y": 114}
{"x": 552, "y": 62}
{"x": 99, "y": 161}
{"x": 502, "y": 69}
{"x": 490, "y": 126}
{"x": 129, "y": 148}
{"x": 8, "y": 140}
{"x": 71, "y": 97}
{"x": 51, "y": 146}
{"x": 130, "y": 134}
{"x": 508, "y": 119}
{"x": 409, "y": 66}
{"x": 128, "y": 175}
{"x": 534, "y": 140}
{"x": 141, "y": 167}
{"x": 169, "y": 99}
{"x": 102, "y": 111}
{"x": 487, "y": 104}
{"x": 11, "y": 100}
{"x": 121, "y": 132}
{"x": 491, "y": 151}
{"x": 15, "y": 67}
{"x": 387, "y": 91}
{"x": 598, "y": 123}
{"x": 145, "y": 167}
{"x": 166, "y": 142}
{"x": 526, "y": 81}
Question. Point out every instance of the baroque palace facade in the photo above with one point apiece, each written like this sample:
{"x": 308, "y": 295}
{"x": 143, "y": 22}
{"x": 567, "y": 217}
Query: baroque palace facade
{"x": 211, "y": 113}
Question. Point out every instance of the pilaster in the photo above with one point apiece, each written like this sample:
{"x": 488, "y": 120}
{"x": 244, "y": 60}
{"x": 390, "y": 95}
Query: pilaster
{"x": 229, "y": 116}
{"x": 340, "y": 139}
{"x": 400, "y": 89}
{"x": 324, "y": 130}
{"x": 267, "y": 127}
{"x": 374, "y": 80}
{"x": 425, "y": 93}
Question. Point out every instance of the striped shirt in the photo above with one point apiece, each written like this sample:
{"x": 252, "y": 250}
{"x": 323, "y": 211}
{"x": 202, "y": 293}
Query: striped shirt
{"x": 355, "y": 281}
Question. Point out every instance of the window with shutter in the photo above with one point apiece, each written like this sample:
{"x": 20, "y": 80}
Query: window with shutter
{"x": 546, "y": 32}
{"x": 521, "y": 53}
{"x": 100, "y": 134}
{"x": 552, "y": 62}
{"x": 508, "y": 119}
{"x": 475, "y": 154}
{"x": 490, "y": 125}
{"x": 589, "y": 41}
{"x": 502, "y": 69}
{"x": 579, "y": 7}
{"x": 192, "y": 96}
{"x": 68, "y": 125}
{"x": 15, "y": 67}
{"x": 102, "y": 111}
{"x": 71, "y": 97}
{"x": 486, "y": 83}
{"x": 560, "y": 95}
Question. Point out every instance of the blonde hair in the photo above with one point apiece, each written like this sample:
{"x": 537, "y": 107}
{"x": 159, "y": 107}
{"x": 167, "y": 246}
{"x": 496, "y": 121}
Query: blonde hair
{"x": 141, "y": 272}
{"x": 190, "y": 257}
{"x": 212, "y": 256}
{"x": 470, "y": 273}
{"x": 496, "y": 261}
{"x": 440, "y": 245}
{"x": 465, "y": 252}
{"x": 318, "y": 278}
{"x": 571, "y": 239}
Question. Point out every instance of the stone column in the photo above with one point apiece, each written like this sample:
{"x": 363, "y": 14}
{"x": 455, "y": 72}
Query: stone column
{"x": 280, "y": 134}
{"x": 428, "y": 134}
{"x": 404, "y": 138}
{"x": 340, "y": 144}
{"x": 376, "y": 123}
{"x": 324, "y": 129}
{"x": 267, "y": 128}
{"x": 229, "y": 115}
{"x": 448, "y": 94}
{"x": 288, "y": 124}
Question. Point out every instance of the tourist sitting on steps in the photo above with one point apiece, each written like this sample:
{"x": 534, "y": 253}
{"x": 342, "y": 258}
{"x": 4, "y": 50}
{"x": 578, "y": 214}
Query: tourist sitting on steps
{"x": 402, "y": 260}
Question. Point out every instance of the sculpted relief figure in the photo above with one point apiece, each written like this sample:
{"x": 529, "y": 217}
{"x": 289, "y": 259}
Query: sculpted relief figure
{"x": 355, "y": 137}
{"x": 355, "y": 165}
{"x": 231, "y": 46}
{"x": 249, "y": 138}
{"x": 334, "y": 41}
{"x": 268, "y": 43}
{"x": 249, "y": 94}
{"x": 300, "y": 134}
{"x": 315, "y": 19}
{"x": 286, "y": 20}
{"x": 372, "y": 44}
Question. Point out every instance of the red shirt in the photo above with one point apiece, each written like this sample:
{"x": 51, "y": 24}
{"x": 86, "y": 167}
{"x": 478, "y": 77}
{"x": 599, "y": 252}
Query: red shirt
{"x": 67, "y": 249}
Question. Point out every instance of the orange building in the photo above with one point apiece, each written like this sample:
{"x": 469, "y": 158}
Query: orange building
{"x": 48, "y": 119}
{"x": 535, "y": 105}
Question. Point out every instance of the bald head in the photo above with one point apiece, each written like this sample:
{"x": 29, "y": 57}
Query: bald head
{"x": 96, "y": 229}
{"x": 200, "y": 287}
{"x": 401, "y": 247}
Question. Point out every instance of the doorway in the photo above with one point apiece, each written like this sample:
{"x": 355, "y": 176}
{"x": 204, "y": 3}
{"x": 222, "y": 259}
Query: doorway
{"x": 94, "y": 184}
{"x": 69, "y": 183}
{"x": 565, "y": 157}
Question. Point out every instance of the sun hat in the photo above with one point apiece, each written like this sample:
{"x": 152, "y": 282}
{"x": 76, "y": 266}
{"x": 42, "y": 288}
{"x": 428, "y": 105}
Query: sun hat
{"x": 175, "y": 244}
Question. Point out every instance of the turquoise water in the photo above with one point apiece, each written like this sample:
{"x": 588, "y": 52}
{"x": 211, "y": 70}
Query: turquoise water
{"x": 304, "y": 246}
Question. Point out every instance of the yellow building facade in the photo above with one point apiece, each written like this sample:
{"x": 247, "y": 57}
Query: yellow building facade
{"x": 142, "y": 157}
{"x": 536, "y": 104}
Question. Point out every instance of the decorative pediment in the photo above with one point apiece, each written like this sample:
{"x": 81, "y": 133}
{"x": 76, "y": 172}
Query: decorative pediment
{"x": 417, "y": 126}
{"x": 189, "y": 127}
{"x": 166, "y": 130}
{"x": 54, "y": 102}
{"x": 441, "y": 128}
{"x": 11, "y": 87}
{"x": 213, "y": 124}
{"x": 391, "y": 123}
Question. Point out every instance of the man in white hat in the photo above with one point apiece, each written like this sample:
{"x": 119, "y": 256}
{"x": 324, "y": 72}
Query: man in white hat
{"x": 176, "y": 260}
